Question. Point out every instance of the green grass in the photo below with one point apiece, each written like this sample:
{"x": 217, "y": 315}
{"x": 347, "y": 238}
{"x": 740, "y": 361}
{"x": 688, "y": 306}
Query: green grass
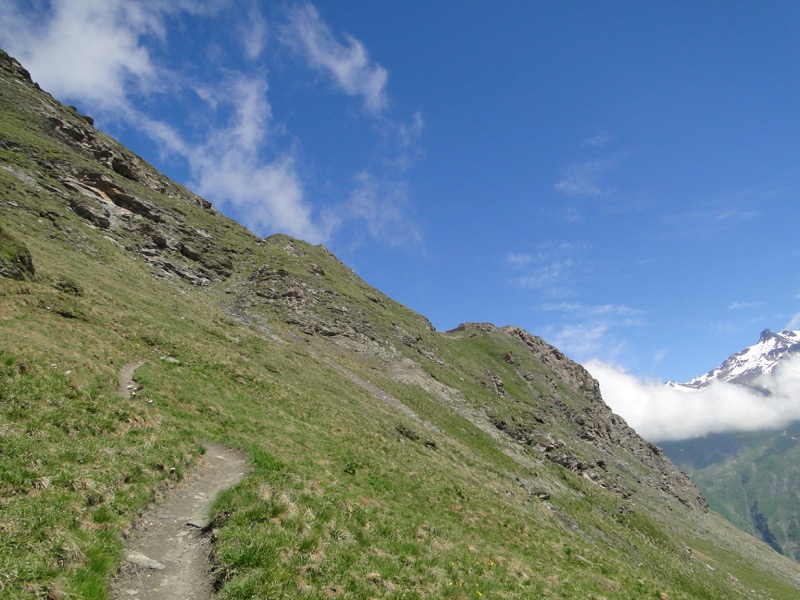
{"x": 349, "y": 497}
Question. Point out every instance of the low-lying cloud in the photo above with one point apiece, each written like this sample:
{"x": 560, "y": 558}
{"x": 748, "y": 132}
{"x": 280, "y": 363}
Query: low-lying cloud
{"x": 660, "y": 413}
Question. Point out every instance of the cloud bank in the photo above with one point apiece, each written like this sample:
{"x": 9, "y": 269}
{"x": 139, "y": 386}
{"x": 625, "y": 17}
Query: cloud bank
{"x": 661, "y": 413}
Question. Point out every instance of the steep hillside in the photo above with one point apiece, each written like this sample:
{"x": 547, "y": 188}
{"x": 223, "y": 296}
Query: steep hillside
{"x": 389, "y": 460}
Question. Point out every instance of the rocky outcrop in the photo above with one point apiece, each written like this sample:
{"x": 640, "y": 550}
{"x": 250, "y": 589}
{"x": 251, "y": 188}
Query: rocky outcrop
{"x": 13, "y": 66}
{"x": 596, "y": 430}
{"x": 112, "y": 194}
{"x": 309, "y": 305}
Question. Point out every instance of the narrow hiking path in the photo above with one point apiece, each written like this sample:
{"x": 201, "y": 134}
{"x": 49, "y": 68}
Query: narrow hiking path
{"x": 126, "y": 386}
{"x": 168, "y": 555}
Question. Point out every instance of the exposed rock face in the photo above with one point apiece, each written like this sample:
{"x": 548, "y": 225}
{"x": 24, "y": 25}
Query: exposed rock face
{"x": 13, "y": 66}
{"x": 114, "y": 194}
{"x": 313, "y": 307}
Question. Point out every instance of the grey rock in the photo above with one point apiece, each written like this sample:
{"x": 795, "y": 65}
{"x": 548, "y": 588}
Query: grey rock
{"x": 145, "y": 562}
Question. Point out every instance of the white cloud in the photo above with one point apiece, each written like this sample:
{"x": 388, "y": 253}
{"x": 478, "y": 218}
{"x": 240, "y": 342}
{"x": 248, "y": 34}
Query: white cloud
{"x": 381, "y": 206}
{"x": 794, "y": 322}
{"x": 229, "y": 167}
{"x": 598, "y": 141}
{"x": 585, "y": 179}
{"x": 347, "y": 64}
{"x": 254, "y": 33}
{"x": 88, "y": 50}
{"x": 659, "y": 412}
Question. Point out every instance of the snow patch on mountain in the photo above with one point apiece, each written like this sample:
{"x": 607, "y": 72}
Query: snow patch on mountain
{"x": 759, "y": 359}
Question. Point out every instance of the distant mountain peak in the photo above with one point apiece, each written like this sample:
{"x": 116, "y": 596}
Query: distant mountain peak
{"x": 759, "y": 359}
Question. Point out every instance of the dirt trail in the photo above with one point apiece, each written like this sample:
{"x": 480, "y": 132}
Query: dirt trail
{"x": 167, "y": 557}
{"x": 127, "y": 386}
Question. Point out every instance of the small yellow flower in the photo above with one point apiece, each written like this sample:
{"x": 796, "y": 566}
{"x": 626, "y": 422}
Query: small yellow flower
{"x": 478, "y": 594}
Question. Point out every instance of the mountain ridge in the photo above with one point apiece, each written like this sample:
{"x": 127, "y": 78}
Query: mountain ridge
{"x": 742, "y": 367}
{"x": 388, "y": 459}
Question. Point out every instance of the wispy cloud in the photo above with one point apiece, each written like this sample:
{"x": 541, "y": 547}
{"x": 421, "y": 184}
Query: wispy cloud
{"x": 516, "y": 259}
{"x": 347, "y": 64}
{"x": 583, "y": 339}
{"x": 402, "y": 141}
{"x": 571, "y": 215}
{"x": 551, "y": 277}
{"x": 794, "y": 322}
{"x": 744, "y": 305}
{"x": 598, "y": 141}
{"x": 551, "y": 269}
{"x": 659, "y": 412}
{"x": 381, "y": 206}
{"x": 586, "y": 331}
{"x": 712, "y": 217}
{"x": 254, "y": 32}
{"x": 600, "y": 310}
{"x": 231, "y": 167}
{"x": 586, "y": 179}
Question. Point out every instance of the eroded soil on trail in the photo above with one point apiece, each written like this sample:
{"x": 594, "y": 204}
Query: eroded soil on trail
{"x": 168, "y": 554}
{"x": 127, "y": 386}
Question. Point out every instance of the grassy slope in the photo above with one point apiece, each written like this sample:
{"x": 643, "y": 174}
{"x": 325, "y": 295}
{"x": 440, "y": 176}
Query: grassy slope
{"x": 344, "y": 501}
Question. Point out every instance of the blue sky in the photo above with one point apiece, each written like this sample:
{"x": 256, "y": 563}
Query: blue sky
{"x": 620, "y": 178}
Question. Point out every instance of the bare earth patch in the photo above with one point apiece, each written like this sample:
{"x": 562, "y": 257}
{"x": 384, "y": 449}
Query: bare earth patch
{"x": 168, "y": 556}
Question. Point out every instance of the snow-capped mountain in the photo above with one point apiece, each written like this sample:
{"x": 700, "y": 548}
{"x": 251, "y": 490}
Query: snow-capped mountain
{"x": 758, "y": 359}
